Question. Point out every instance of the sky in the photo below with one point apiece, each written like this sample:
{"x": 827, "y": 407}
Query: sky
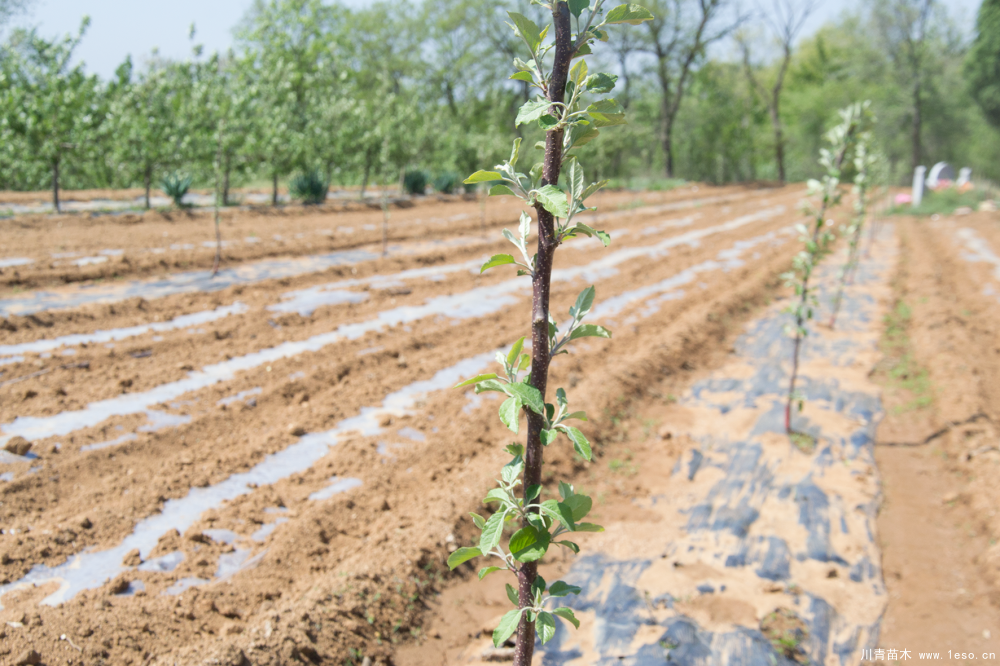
{"x": 136, "y": 27}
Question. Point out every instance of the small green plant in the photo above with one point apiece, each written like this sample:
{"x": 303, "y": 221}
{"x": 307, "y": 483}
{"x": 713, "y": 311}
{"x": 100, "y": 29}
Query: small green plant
{"x": 446, "y": 182}
{"x": 943, "y": 202}
{"x": 175, "y": 185}
{"x": 568, "y": 122}
{"x": 865, "y": 161}
{"x": 415, "y": 181}
{"x": 310, "y": 187}
{"x": 817, "y": 240}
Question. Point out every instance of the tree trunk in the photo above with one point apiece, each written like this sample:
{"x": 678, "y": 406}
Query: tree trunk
{"x": 364, "y": 180}
{"x": 916, "y": 124}
{"x": 274, "y": 189}
{"x": 147, "y": 177}
{"x": 779, "y": 141}
{"x": 55, "y": 183}
{"x": 225, "y": 180}
{"x": 668, "y": 146}
{"x": 540, "y": 283}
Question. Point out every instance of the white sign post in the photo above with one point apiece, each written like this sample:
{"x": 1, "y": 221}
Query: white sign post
{"x": 918, "y": 186}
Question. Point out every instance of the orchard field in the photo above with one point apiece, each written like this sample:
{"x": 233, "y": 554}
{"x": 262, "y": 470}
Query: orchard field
{"x": 273, "y": 467}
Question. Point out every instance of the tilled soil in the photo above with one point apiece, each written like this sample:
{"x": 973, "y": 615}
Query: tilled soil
{"x": 277, "y": 576}
{"x": 940, "y": 454}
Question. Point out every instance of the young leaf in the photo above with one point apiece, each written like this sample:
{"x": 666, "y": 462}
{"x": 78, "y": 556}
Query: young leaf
{"x": 489, "y": 385}
{"x": 514, "y": 351}
{"x": 522, "y": 76}
{"x": 561, "y": 397}
{"x": 486, "y": 571}
{"x": 514, "y": 449}
{"x": 588, "y": 527}
{"x": 478, "y": 520}
{"x": 476, "y": 380}
{"x": 524, "y": 225}
{"x": 606, "y": 113}
{"x": 495, "y": 495}
{"x": 482, "y": 177}
{"x": 580, "y": 443}
{"x": 584, "y": 302}
{"x": 510, "y": 414}
{"x": 576, "y": 179}
{"x": 497, "y": 190}
{"x": 559, "y": 511}
{"x": 580, "y": 416}
{"x": 578, "y": 72}
{"x": 553, "y": 200}
{"x": 590, "y": 331}
{"x": 545, "y": 626}
{"x": 511, "y": 594}
{"x": 515, "y": 150}
{"x": 549, "y": 436}
{"x": 507, "y": 627}
{"x": 593, "y": 187}
{"x": 531, "y": 111}
{"x": 568, "y": 544}
{"x": 583, "y": 134}
{"x": 561, "y": 588}
{"x": 527, "y": 29}
{"x": 497, "y": 260}
{"x": 533, "y": 491}
{"x": 462, "y": 555}
{"x": 512, "y": 470}
{"x": 567, "y": 614}
{"x": 631, "y": 14}
{"x": 565, "y": 491}
{"x": 492, "y": 531}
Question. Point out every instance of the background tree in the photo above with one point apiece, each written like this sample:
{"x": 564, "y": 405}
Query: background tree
{"x": 982, "y": 64}
{"x": 784, "y": 20}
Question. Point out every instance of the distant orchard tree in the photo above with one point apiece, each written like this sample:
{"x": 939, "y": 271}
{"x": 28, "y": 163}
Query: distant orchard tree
{"x": 982, "y": 65}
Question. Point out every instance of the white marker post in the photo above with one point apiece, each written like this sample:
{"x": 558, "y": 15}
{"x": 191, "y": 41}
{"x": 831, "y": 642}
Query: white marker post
{"x": 918, "y": 186}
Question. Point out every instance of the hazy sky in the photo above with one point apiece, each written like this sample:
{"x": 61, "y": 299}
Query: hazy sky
{"x": 121, "y": 27}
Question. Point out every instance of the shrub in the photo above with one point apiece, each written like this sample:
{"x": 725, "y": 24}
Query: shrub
{"x": 176, "y": 185}
{"x": 311, "y": 187}
{"x": 415, "y": 181}
{"x": 446, "y": 182}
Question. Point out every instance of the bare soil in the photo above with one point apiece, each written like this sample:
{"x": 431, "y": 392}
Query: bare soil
{"x": 360, "y": 573}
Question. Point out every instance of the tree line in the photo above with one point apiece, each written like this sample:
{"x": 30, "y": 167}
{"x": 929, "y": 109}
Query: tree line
{"x": 714, "y": 91}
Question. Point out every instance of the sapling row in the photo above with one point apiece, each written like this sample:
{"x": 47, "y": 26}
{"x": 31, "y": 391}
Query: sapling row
{"x": 566, "y": 110}
{"x": 817, "y": 240}
{"x": 865, "y": 159}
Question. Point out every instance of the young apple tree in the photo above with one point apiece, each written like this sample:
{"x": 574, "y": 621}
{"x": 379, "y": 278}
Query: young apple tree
{"x": 571, "y": 108}
{"x": 816, "y": 243}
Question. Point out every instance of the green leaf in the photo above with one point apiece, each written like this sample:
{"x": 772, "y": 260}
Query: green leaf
{"x": 538, "y": 588}
{"x": 495, "y": 495}
{"x": 478, "y": 520}
{"x": 593, "y": 187}
{"x": 522, "y": 76}
{"x": 507, "y": 627}
{"x": 497, "y": 260}
{"x": 514, "y": 152}
{"x": 514, "y": 449}
{"x": 512, "y": 470}
{"x": 497, "y": 190}
{"x": 531, "y": 111}
{"x": 581, "y": 416}
{"x": 512, "y": 594}
{"x": 527, "y": 29}
{"x": 589, "y": 527}
{"x": 533, "y": 491}
{"x": 482, "y": 177}
{"x": 545, "y": 626}
{"x": 510, "y": 414}
{"x": 462, "y": 555}
{"x": 583, "y": 134}
{"x": 576, "y": 180}
{"x": 607, "y": 113}
{"x": 631, "y": 14}
{"x": 583, "y": 50}
{"x": 578, "y": 72}
{"x": 527, "y": 396}
{"x": 492, "y": 531}
{"x": 489, "y": 385}
{"x": 601, "y": 83}
{"x": 529, "y": 544}
{"x": 561, "y": 588}
{"x": 559, "y": 511}
{"x": 547, "y": 122}
{"x": 568, "y": 544}
{"x": 486, "y": 571}
{"x": 549, "y": 436}
{"x": 584, "y": 302}
{"x": 476, "y": 380}
{"x": 577, "y": 6}
{"x": 580, "y": 443}
{"x": 590, "y": 331}
{"x": 561, "y": 396}
{"x": 567, "y": 614}
{"x": 514, "y": 351}
{"x": 553, "y": 200}
{"x": 565, "y": 490}
{"x": 580, "y": 505}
